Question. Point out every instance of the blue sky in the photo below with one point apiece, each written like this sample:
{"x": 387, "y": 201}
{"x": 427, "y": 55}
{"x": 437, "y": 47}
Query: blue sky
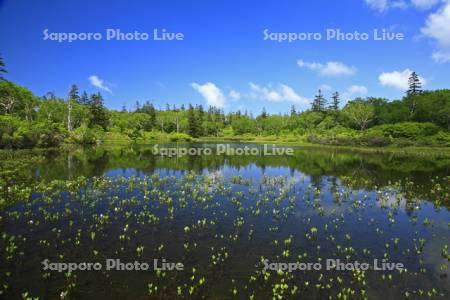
{"x": 223, "y": 58}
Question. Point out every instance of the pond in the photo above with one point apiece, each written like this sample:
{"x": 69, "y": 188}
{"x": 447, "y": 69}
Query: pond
{"x": 128, "y": 223}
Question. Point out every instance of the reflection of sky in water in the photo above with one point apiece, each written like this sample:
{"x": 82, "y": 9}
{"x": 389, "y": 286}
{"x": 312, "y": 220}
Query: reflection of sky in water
{"x": 358, "y": 212}
{"x": 369, "y": 209}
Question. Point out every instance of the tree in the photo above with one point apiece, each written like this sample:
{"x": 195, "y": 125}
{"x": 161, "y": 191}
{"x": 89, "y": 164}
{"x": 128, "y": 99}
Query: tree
{"x": 193, "y": 122}
{"x": 98, "y": 111}
{"x": 335, "y": 101}
{"x": 414, "y": 90}
{"x": 359, "y": 112}
{"x": 52, "y": 110}
{"x": 16, "y": 100}
{"x": 433, "y": 107}
{"x": 414, "y": 85}
{"x": 319, "y": 102}
{"x": 49, "y": 95}
{"x": 264, "y": 113}
{"x": 84, "y": 99}
{"x": 72, "y": 98}
{"x": 2, "y": 69}
{"x": 293, "y": 111}
{"x": 261, "y": 121}
{"x": 243, "y": 124}
{"x": 8, "y": 98}
{"x": 150, "y": 110}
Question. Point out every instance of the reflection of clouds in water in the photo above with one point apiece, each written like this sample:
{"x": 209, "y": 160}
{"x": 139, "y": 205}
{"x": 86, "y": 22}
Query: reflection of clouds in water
{"x": 212, "y": 180}
{"x": 215, "y": 176}
{"x": 391, "y": 198}
{"x": 328, "y": 209}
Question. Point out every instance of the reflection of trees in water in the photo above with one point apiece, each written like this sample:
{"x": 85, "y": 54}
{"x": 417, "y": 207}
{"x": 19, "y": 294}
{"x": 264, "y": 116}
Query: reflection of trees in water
{"x": 365, "y": 170}
{"x": 100, "y": 162}
{"x": 316, "y": 181}
{"x": 333, "y": 183}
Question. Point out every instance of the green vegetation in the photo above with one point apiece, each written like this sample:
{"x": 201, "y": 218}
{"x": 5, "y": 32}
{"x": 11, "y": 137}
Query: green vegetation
{"x": 421, "y": 118}
{"x": 227, "y": 232}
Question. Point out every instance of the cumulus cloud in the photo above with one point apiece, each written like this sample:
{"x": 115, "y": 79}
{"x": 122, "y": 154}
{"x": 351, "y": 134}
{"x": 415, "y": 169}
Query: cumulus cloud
{"x": 235, "y": 95}
{"x": 437, "y": 27}
{"x": 100, "y": 83}
{"x": 278, "y": 93}
{"x": 211, "y": 93}
{"x": 380, "y": 5}
{"x": 354, "y": 90}
{"x": 424, "y": 4}
{"x": 357, "y": 89}
{"x": 383, "y": 5}
{"x": 397, "y": 79}
{"x": 331, "y": 68}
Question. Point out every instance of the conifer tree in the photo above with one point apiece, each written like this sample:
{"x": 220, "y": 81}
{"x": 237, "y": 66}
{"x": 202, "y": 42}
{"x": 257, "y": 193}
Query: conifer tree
{"x": 84, "y": 99}
{"x": 319, "y": 102}
{"x": 414, "y": 89}
{"x": 414, "y": 85}
{"x": 193, "y": 129}
{"x": 264, "y": 113}
{"x": 2, "y": 69}
{"x": 293, "y": 111}
{"x": 335, "y": 101}
{"x": 98, "y": 111}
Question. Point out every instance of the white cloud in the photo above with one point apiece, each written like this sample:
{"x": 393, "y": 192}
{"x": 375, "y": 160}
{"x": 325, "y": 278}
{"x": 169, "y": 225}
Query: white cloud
{"x": 277, "y": 93}
{"x": 235, "y": 95}
{"x": 441, "y": 56}
{"x": 384, "y": 5}
{"x": 354, "y": 90}
{"x": 357, "y": 89}
{"x": 331, "y": 68}
{"x": 397, "y": 79}
{"x": 100, "y": 83}
{"x": 437, "y": 27}
{"x": 380, "y": 5}
{"x": 424, "y": 4}
{"x": 212, "y": 94}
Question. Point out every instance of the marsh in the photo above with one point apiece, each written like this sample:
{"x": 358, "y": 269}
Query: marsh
{"x": 223, "y": 217}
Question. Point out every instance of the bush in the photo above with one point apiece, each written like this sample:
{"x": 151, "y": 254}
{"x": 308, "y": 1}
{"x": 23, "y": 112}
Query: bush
{"x": 403, "y": 142}
{"x": 439, "y": 139}
{"x": 179, "y": 137}
{"x": 374, "y": 140}
{"x": 85, "y": 135}
{"x": 17, "y": 133}
{"x": 153, "y": 136}
{"x": 408, "y": 130}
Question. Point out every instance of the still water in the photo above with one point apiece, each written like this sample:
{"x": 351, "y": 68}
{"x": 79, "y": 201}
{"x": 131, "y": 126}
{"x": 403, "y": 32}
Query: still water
{"x": 230, "y": 221}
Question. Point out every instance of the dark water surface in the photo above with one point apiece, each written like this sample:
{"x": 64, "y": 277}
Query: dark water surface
{"x": 224, "y": 217}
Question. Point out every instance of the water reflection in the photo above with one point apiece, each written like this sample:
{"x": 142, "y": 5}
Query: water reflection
{"x": 368, "y": 171}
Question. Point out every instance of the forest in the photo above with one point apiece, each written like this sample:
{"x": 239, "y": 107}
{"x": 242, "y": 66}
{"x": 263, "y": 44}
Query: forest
{"x": 420, "y": 118}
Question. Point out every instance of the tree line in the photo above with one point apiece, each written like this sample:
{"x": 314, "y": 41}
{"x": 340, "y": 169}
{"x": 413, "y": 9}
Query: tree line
{"x": 29, "y": 121}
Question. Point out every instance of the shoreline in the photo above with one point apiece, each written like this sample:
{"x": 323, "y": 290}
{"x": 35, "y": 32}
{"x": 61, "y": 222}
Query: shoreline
{"x": 409, "y": 150}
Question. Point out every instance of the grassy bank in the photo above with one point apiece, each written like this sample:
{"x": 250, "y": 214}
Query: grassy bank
{"x": 416, "y": 150}
{"x": 296, "y": 141}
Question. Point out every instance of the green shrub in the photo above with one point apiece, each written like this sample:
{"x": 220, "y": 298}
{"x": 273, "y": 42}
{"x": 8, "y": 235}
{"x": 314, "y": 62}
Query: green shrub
{"x": 374, "y": 140}
{"x": 408, "y": 130}
{"x": 85, "y": 135}
{"x": 440, "y": 139}
{"x": 179, "y": 137}
{"x": 17, "y": 133}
